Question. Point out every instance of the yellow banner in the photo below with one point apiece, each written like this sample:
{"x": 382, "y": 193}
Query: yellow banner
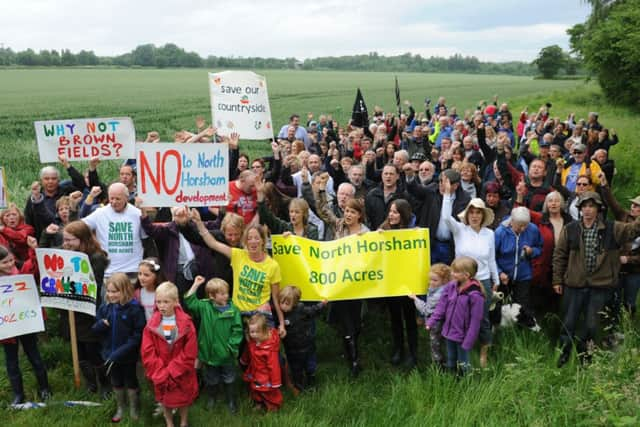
{"x": 370, "y": 265}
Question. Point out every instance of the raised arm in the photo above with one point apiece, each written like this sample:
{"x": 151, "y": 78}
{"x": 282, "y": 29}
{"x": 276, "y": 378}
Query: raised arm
{"x": 207, "y": 237}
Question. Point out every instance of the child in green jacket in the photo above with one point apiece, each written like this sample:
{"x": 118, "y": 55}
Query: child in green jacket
{"x": 219, "y": 336}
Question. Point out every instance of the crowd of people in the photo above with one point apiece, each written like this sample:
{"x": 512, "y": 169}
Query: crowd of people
{"x": 516, "y": 205}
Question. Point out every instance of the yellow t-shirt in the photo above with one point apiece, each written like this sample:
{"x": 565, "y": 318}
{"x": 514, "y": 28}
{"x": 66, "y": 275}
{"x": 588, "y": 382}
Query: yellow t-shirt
{"x": 252, "y": 280}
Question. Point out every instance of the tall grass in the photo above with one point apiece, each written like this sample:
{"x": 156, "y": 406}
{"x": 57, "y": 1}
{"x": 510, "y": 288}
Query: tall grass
{"x": 522, "y": 386}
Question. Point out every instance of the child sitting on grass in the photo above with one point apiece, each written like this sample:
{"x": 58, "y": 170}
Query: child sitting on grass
{"x": 219, "y": 336}
{"x": 461, "y": 308}
{"x": 299, "y": 343}
{"x": 438, "y": 277}
{"x": 169, "y": 351}
{"x": 262, "y": 365}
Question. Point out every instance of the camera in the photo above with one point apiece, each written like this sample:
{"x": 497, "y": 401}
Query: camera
{"x": 548, "y": 104}
{"x": 427, "y": 101}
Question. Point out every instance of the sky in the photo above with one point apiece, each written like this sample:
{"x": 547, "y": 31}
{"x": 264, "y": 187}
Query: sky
{"x": 491, "y": 30}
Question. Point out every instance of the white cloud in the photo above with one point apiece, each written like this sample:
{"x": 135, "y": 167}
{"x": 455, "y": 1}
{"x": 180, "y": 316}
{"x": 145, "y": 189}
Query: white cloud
{"x": 284, "y": 28}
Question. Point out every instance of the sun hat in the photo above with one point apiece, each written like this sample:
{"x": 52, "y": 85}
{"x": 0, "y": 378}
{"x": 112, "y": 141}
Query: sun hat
{"x": 476, "y": 202}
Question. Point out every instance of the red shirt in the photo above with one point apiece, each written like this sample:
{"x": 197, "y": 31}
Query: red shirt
{"x": 242, "y": 203}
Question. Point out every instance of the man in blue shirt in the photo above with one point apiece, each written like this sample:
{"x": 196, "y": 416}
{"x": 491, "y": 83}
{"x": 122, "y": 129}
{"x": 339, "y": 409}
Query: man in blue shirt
{"x": 300, "y": 132}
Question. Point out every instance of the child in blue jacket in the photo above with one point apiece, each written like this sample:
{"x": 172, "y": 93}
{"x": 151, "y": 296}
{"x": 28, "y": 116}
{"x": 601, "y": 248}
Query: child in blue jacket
{"x": 120, "y": 321}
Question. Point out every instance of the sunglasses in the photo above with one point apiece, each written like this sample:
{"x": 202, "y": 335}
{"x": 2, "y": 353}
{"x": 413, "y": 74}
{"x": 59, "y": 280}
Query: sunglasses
{"x": 582, "y": 184}
{"x": 578, "y": 152}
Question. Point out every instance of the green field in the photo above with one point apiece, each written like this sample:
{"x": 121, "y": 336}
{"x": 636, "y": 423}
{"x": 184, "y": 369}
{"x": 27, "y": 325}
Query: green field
{"x": 522, "y": 385}
{"x": 169, "y": 100}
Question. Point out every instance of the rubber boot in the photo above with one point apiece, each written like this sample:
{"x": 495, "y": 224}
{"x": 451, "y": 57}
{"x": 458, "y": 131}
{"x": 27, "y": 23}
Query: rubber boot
{"x": 89, "y": 374}
{"x": 564, "y": 356}
{"x": 311, "y": 381}
{"x": 484, "y": 351}
{"x": 18, "y": 390}
{"x": 352, "y": 346}
{"x": 212, "y": 391}
{"x": 134, "y": 403}
{"x": 231, "y": 398}
{"x": 396, "y": 356}
{"x": 121, "y": 402}
{"x": 103, "y": 382}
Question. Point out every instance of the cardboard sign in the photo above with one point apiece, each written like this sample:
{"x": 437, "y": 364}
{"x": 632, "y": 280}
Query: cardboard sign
{"x": 67, "y": 280}
{"x": 240, "y": 104}
{"x": 371, "y": 265}
{"x": 183, "y": 174}
{"x": 20, "y": 311}
{"x": 82, "y": 139}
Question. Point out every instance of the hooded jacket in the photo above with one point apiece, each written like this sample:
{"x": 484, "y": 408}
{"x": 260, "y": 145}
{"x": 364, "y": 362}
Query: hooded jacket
{"x": 220, "y": 332}
{"x": 121, "y": 338}
{"x": 299, "y": 324}
{"x": 461, "y": 308}
{"x": 263, "y": 364}
{"x": 171, "y": 367}
{"x": 510, "y": 255}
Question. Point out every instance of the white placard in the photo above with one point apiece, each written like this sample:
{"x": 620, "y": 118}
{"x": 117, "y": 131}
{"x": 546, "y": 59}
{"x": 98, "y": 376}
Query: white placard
{"x": 67, "y": 280}
{"x": 183, "y": 174}
{"x": 240, "y": 104}
{"x": 82, "y": 139}
{"x": 20, "y": 310}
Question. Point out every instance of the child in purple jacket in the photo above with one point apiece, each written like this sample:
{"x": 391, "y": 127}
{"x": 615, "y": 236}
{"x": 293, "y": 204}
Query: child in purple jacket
{"x": 461, "y": 308}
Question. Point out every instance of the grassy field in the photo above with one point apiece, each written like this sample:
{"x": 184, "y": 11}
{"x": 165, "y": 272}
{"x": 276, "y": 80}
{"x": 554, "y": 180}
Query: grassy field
{"x": 521, "y": 386}
{"x": 169, "y": 100}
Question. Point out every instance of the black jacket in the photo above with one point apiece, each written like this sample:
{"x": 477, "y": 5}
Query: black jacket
{"x": 299, "y": 324}
{"x": 377, "y": 207}
{"x": 431, "y": 205}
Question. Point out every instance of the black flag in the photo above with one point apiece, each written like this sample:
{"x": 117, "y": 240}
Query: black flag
{"x": 360, "y": 116}
{"x": 398, "y": 97}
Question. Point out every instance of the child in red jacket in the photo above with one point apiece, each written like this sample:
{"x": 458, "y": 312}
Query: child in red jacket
{"x": 169, "y": 351}
{"x": 262, "y": 364}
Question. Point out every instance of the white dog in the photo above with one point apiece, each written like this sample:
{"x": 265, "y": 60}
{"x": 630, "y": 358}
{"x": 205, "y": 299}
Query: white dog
{"x": 513, "y": 314}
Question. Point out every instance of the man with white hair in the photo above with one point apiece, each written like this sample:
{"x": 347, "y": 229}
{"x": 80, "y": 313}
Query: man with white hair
{"x": 118, "y": 230}
{"x": 518, "y": 241}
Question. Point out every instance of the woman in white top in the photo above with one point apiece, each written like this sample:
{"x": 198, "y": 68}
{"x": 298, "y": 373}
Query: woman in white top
{"x": 473, "y": 238}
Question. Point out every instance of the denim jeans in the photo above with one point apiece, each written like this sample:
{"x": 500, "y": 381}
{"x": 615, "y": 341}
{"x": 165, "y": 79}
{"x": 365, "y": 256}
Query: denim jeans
{"x": 586, "y": 302}
{"x": 441, "y": 252}
{"x": 457, "y": 357}
{"x": 630, "y": 284}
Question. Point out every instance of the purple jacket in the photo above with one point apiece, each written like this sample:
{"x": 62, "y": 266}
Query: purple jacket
{"x": 462, "y": 310}
{"x": 166, "y": 237}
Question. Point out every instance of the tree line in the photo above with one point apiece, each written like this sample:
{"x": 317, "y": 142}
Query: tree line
{"x": 608, "y": 44}
{"x": 171, "y": 55}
